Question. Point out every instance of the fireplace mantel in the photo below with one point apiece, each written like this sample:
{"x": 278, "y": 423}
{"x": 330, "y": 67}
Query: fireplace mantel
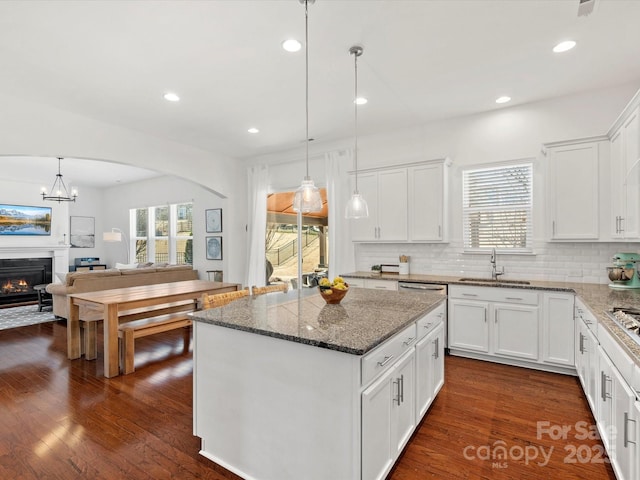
{"x": 59, "y": 253}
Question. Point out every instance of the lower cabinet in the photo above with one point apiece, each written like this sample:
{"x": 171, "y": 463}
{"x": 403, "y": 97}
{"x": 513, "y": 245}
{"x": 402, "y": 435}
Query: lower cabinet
{"x": 429, "y": 369}
{"x": 396, "y": 400}
{"x": 388, "y": 417}
{"x": 515, "y": 326}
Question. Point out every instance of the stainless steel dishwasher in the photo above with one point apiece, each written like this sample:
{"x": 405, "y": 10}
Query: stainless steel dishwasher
{"x": 422, "y": 287}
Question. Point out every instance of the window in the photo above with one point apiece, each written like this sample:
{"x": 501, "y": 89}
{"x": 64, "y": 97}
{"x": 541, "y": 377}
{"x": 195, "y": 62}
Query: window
{"x": 164, "y": 234}
{"x": 497, "y": 208}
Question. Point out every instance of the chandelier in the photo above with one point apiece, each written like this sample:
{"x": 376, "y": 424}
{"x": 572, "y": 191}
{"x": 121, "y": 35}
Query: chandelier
{"x": 59, "y": 192}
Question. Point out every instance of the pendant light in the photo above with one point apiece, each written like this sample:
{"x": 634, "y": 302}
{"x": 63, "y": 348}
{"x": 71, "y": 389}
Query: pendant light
{"x": 356, "y": 206}
{"x": 307, "y": 197}
{"x": 59, "y": 192}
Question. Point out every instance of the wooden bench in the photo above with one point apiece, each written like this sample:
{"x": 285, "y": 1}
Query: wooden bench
{"x": 89, "y": 319}
{"x": 129, "y": 331}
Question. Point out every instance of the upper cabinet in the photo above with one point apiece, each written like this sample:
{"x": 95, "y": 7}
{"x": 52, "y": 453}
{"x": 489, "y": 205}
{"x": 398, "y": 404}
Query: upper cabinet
{"x": 574, "y": 190}
{"x": 406, "y": 203}
{"x": 385, "y": 192}
{"x": 428, "y": 191}
{"x": 625, "y": 175}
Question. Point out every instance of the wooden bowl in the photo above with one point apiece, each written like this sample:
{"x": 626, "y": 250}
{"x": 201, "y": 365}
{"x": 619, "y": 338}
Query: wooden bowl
{"x": 335, "y": 296}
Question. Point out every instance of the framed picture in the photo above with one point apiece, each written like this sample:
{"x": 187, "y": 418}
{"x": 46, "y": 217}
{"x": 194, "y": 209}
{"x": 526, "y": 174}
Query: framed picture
{"x": 23, "y": 220}
{"x": 214, "y": 248}
{"x": 82, "y": 232}
{"x": 214, "y": 220}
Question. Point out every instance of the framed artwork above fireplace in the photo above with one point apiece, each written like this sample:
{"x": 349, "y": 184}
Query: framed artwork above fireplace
{"x": 24, "y": 220}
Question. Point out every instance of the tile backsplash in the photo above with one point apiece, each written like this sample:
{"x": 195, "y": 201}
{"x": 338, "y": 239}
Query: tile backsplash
{"x": 565, "y": 262}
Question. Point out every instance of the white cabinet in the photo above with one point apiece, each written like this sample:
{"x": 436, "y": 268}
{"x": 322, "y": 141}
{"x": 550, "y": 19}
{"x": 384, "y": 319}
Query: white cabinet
{"x": 573, "y": 210}
{"x": 428, "y": 191}
{"x": 400, "y": 379}
{"x": 468, "y": 326}
{"x": 515, "y": 330}
{"x": 386, "y": 194}
{"x": 558, "y": 327}
{"x": 586, "y": 359}
{"x": 429, "y": 360}
{"x": 625, "y": 176}
{"x": 376, "y": 283}
{"x": 521, "y": 326}
{"x": 388, "y": 417}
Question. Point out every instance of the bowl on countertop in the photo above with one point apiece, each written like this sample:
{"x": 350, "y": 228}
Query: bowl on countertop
{"x": 333, "y": 296}
{"x": 620, "y": 274}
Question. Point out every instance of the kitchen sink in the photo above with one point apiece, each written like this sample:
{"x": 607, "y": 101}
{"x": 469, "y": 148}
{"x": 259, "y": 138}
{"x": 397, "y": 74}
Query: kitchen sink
{"x": 490, "y": 280}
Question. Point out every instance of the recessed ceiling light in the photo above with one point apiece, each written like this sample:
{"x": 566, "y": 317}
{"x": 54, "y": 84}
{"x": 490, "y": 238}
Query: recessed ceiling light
{"x": 361, "y": 101}
{"x": 253, "y": 130}
{"x": 171, "y": 97}
{"x": 291, "y": 45}
{"x": 564, "y": 46}
{"x": 503, "y": 99}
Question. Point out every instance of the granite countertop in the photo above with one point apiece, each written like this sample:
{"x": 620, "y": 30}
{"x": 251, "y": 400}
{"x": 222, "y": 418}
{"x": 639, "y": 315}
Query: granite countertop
{"x": 598, "y": 298}
{"x": 364, "y": 319}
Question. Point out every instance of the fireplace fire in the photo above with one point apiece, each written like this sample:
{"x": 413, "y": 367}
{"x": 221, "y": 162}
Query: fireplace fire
{"x": 18, "y": 276}
{"x": 15, "y": 286}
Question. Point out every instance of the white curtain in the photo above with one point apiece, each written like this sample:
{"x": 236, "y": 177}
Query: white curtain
{"x": 341, "y": 250}
{"x": 258, "y": 178}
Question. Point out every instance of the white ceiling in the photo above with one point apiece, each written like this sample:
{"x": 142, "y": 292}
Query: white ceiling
{"x": 423, "y": 61}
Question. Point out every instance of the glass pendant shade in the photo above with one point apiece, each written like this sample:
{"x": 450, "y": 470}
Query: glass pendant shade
{"x": 356, "y": 207}
{"x": 307, "y": 198}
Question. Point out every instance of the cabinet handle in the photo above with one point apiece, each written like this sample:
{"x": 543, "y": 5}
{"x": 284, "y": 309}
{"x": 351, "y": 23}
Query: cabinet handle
{"x": 581, "y": 343}
{"x": 603, "y": 386}
{"x": 380, "y": 287}
{"x": 495, "y": 316}
{"x": 436, "y": 349}
{"x": 409, "y": 341}
{"x": 553, "y": 228}
{"x": 469, "y": 294}
{"x": 626, "y": 429}
{"x": 515, "y": 298}
{"x": 428, "y": 325}
{"x": 621, "y": 224}
{"x": 396, "y": 382}
{"x": 401, "y": 389}
{"x": 386, "y": 360}
{"x": 439, "y": 231}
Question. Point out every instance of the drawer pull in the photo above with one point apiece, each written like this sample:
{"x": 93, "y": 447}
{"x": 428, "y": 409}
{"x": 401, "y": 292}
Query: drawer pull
{"x": 436, "y": 349}
{"x": 428, "y": 325}
{"x": 409, "y": 341}
{"x": 386, "y": 360}
{"x": 469, "y": 294}
{"x": 515, "y": 298}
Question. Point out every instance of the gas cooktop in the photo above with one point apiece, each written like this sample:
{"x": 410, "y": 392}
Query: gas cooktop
{"x": 629, "y": 320}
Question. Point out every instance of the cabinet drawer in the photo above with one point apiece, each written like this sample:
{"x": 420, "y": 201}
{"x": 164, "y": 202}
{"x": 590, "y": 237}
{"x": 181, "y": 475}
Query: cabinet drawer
{"x": 381, "y": 284}
{"x": 618, "y": 357}
{"x": 495, "y": 294}
{"x": 385, "y": 355}
{"x": 584, "y": 314}
{"x": 430, "y": 321}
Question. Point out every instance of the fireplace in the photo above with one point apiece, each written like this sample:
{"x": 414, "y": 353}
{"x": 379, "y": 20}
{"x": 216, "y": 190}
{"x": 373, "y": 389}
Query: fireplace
{"x": 18, "y": 276}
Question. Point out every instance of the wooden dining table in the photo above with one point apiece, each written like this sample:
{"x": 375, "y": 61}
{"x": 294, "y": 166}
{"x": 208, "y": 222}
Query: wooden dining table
{"x": 116, "y": 302}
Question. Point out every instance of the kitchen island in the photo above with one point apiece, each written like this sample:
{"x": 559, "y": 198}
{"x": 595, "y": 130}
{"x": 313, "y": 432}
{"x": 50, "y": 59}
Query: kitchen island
{"x": 284, "y": 384}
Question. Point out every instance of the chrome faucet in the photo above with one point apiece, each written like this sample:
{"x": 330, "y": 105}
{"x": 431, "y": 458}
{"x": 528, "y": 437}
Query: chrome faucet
{"x": 495, "y": 272}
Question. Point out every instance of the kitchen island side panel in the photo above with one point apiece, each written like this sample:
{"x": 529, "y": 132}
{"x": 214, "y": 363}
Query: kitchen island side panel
{"x": 267, "y": 408}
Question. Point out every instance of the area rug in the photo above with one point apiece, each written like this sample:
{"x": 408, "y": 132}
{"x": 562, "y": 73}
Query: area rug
{"x": 23, "y": 316}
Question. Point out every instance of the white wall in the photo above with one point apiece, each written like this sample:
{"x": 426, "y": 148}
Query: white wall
{"x": 35, "y": 129}
{"x": 172, "y": 190}
{"x": 504, "y": 134}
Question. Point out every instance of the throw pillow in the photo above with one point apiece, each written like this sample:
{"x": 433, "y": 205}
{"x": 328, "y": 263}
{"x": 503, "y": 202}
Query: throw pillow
{"x": 125, "y": 266}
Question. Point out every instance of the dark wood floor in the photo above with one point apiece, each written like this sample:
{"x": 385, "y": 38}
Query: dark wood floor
{"x": 62, "y": 419}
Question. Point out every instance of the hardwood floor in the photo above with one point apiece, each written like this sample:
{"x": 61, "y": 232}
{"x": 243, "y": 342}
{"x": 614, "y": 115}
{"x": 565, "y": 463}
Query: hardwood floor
{"x": 62, "y": 419}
